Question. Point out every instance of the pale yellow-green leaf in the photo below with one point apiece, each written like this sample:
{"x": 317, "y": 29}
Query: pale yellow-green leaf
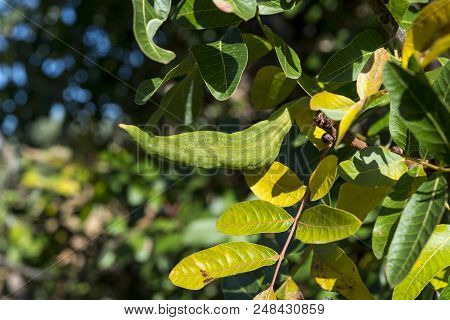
{"x": 333, "y": 105}
{"x": 435, "y": 257}
{"x": 360, "y": 200}
{"x": 223, "y": 260}
{"x": 289, "y": 290}
{"x": 440, "y": 281}
{"x": 429, "y": 35}
{"x": 266, "y": 295}
{"x": 276, "y": 184}
{"x": 333, "y": 270}
{"x": 371, "y": 77}
{"x": 323, "y": 177}
{"x": 324, "y": 224}
{"x": 253, "y": 217}
{"x": 304, "y": 116}
{"x": 348, "y": 118}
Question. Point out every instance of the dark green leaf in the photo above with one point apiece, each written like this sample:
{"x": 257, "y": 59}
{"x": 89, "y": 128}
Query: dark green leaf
{"x": 257, "y": 46}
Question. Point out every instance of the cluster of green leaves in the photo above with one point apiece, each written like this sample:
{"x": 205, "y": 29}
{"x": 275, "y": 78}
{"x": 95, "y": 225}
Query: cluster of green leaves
{"x": 407, "y": 189}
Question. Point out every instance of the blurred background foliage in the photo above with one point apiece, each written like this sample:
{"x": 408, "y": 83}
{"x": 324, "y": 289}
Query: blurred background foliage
{"x": 83, "y": 215}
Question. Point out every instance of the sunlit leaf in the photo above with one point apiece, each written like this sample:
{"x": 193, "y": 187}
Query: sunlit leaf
{"x": 246, "y": 9}
{"x": 257, "y": 46}
{"x": 420, "y": 109}
{"x": 372, "y": 167}
{"x": 266, "y": 295}
{"x": 289, "y": 290}
{"x": 346, "y": 64}
{"x": 222, "y": 63}
{"x": 323, "y": 177}
{"x": 434, "y": 257}
{"x": 276, "y": 184}
{"x": 147, "y": 21}
{"x": 268, "y": 7}
{"x": 324, "y": 224}
{"x": 255, "y": 147}
{"x": 201, "y": 14}
{"x": 333, "y": 270}
{"x": 270, "y": 87}
{"x": 419, "y": 218}
{"x": 253, "y": 217}
{"x": 333, "y": 105}
{"x": 398, "y": 8}
{"x": 360, "y": 200}
{"x": 429, "y": 35}
{"x": 392, "y": 207}
{"x": 223, "y": 260}
{"x": 348, "y": 119}
{"x": 371, "y": 77}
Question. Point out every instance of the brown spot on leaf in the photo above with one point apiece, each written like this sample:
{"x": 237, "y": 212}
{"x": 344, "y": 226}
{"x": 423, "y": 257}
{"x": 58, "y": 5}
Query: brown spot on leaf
{"x": 207, "y": 280}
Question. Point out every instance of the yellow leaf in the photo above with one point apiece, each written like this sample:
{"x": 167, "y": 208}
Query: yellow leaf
{"x": 276, "y": 184}
{"x": 333, "y": 105}
{"x": 333, "y": 270}
{"x": 304, "y": 116}
{"x": 440, "y": 281}
{"x": 266, "y": 295}
{"x": 323, "y": 177}
{"x": 289, "y": 290}
{"x": 348, "y": 119}
{"x": 360, "y": 200}
{"x": 429, "y": 35}
{"x": 371, "y": 77}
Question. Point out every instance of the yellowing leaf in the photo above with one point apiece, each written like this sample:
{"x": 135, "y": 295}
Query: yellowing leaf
{"x": 360, "y": 200}
{"x": 429, "y": 35}
{"x": 440, "y": 281}
{"x": 223, "y": 260}
{"x": 371, "y": 77}
{"x": 348, "y": 118}
{"x": 435, "y": 256}
{"x": 276, "y": 184}
{"x": 253, "y": 217}
{"x": 289, "y": 290}
{"x": 323, "y": 177}
{"x": 304, "y": 116}
{"x": 333, "y": 105}
{"x": 333, "y": 270}
{"x": 266, "y": 295}
{"x": 324, "y": 224}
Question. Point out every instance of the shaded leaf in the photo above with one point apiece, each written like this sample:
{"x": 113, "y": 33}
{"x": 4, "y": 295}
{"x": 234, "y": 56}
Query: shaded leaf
{"x": 324, "y": 224}
{"x": 434, "y": 257}
{"x": 379, "y": 125}
{"x": 276, "y": 184}
{"x": 289, "y": 290}
{"x": 309, "y": 84}
{"x": 441, "y": 85}
{"x": 245, "y": 9}
{"x": 253, "y": 217}
{"x": 371, "y": 77}
{"x": 270, "y": 87}
{"x": 398, "y": 9}
{"x": 323, "y": 177}
{"x": 333, "y": 270}
{"x": 266, "y": 295}
{"x": 223, "y": 260}
{"x": 333, "y": 105}
{"x": 257, "y": 46}
{"x": 419, "y": 218}
{"x": 346, "y": 64}
{"x": 401, "y": 135}
{"x": 372, "y": 167}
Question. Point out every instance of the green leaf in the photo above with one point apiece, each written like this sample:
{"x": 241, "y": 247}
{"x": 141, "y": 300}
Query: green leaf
{"x": 270, "y": 87}
{"x": 323, "y": 177}
{"x": 309, "y": 84}
{"x": 148, "y": 88}
{"x": 398, "y": 8}
{"x": 445, "y": 293}
{"x": 223, "y": 260}
{"x": 253, "y": 217}
{"x": 222, "y": 63}
{"x": 184, "y": 100}
{"x": 441, "y": 85}
{"x": 276, "y": 184}
{"x": 372, "y": 167}
{"x": 333, "y": 105}
{"x": 333, "y": 270}
{"x": 245, "y": 9}
{"x": 392, "y": 207}
{"x": 401, "y": 135}
{"x": 420, "y": 109}
{"x": 255, "y": 147}
{"x": 146, "y": 23}
{"x": 289, "y": 290}
{"x": 288, "y": 58}
{"x": 257, "y": 46}
{"x": 269, "y": 7}
{"x": 266, "y": 295}
{"x": 360, "y": 200}
{"x": 434, "y": 257}
{"x": 371, "y": 77}
{"x": 201, "y": 14}
{"x": 324, "y": 224}
{"x": 379, "y": 125}
{"x": 346, "y": 64}
{"x": 420, "y": 216}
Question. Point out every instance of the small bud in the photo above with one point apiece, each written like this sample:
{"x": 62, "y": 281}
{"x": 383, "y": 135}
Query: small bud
{"x": 327, "y": 138}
